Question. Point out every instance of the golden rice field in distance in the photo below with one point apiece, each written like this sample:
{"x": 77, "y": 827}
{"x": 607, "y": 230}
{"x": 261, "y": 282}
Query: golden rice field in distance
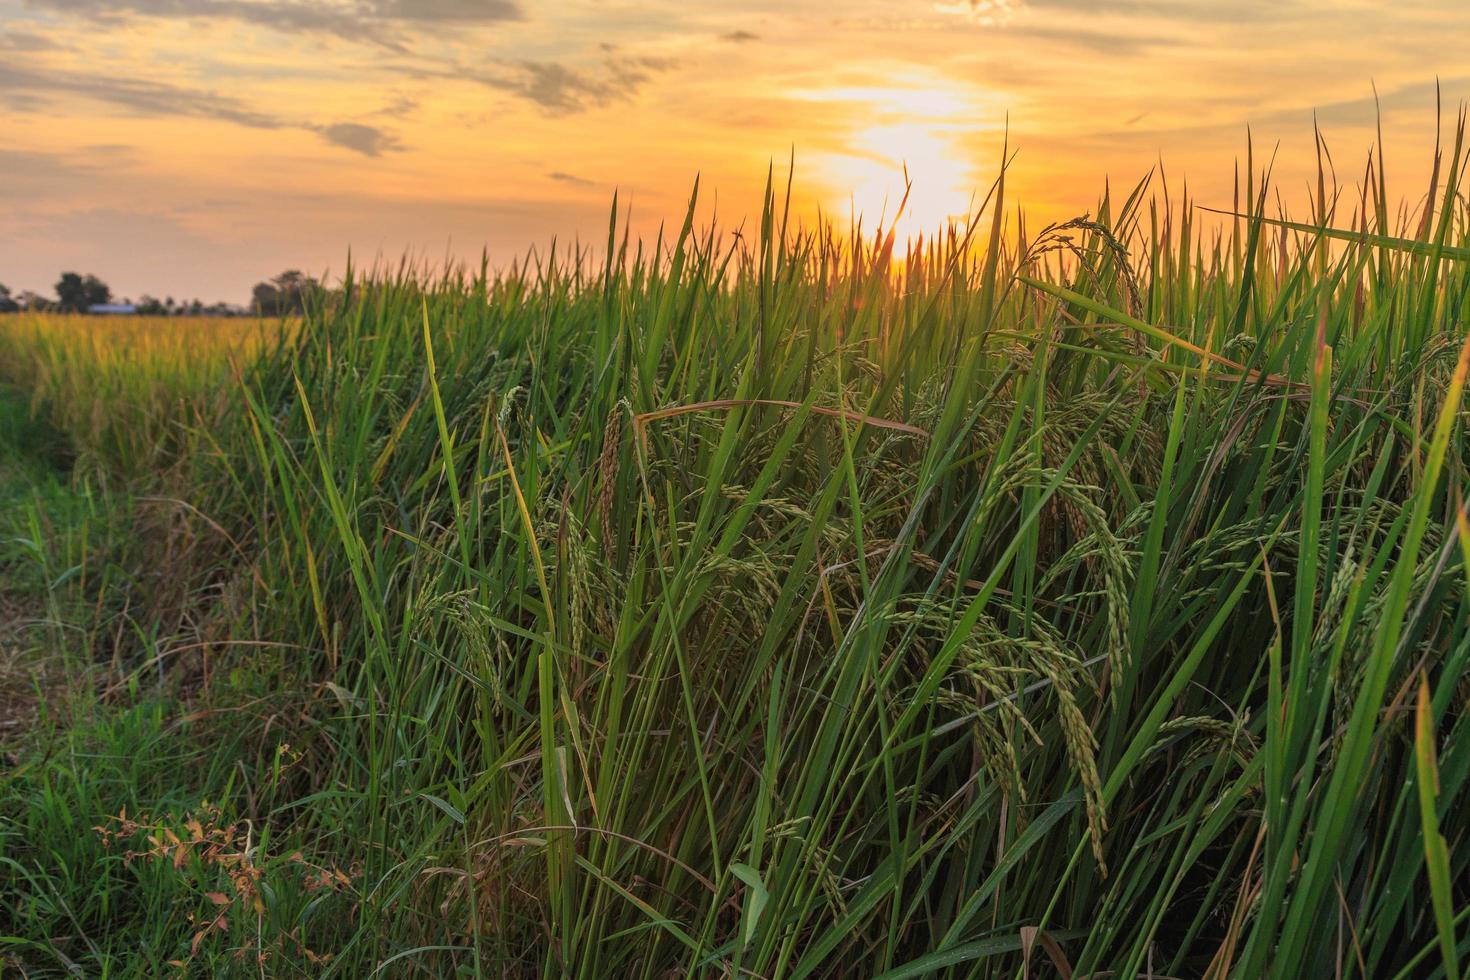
{"x": 121, "y": 385}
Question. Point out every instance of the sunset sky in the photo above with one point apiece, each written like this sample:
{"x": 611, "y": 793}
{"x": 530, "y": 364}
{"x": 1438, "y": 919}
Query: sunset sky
{"x": 194, "y": 147}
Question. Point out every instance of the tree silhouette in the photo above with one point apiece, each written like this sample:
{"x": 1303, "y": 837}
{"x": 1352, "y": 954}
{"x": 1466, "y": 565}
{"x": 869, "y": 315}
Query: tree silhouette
{"x": 285, "y": 294}
{"x": 75, "y": 292}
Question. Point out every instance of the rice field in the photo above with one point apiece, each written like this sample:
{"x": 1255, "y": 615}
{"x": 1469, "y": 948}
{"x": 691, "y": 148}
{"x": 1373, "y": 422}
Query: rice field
{"x": 1090, "y": 600}
{"x": 122, "y": 387}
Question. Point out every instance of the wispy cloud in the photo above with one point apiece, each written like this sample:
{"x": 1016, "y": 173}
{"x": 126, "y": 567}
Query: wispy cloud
{"x": 566, "y": 178}
{"x": 150, "y": 98}
{"x": 379, "y": 22}
{"x": 455, "y": 11}
{"x": 740, "y": 37}
{"x": 1116, "y": 43}
{"x": 136, "y": 94}
{"x": 367, "y": 140}
{"x": 22, "y": 41}
{"x": 558, "y": 88}
{"x": 399, "y": 107}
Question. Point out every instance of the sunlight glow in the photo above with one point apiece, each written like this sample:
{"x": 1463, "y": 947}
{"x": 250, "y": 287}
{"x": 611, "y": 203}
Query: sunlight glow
{"x": 939, "y": 192}
{"x": 918, "y": 126}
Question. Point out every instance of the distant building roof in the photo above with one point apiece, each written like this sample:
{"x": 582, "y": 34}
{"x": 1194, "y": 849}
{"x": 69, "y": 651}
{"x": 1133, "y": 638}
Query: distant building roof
{"x": 112, "y": 308}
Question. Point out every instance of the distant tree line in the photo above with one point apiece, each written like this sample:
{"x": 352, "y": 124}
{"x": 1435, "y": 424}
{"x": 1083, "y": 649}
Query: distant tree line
{"x": 153, "y": 306}
{"x": 285, "y": 295}
{"x": 23, "y": 300}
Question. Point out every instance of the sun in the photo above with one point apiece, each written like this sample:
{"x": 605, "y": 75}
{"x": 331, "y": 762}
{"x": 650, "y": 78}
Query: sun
{"x": 910, "y": 138}
{"x": 938, "y": 182}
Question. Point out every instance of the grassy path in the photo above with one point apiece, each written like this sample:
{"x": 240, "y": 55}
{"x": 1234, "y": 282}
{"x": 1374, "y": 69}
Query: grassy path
{"x": 34, "y": 497}
{"x": 70, "y": 755}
